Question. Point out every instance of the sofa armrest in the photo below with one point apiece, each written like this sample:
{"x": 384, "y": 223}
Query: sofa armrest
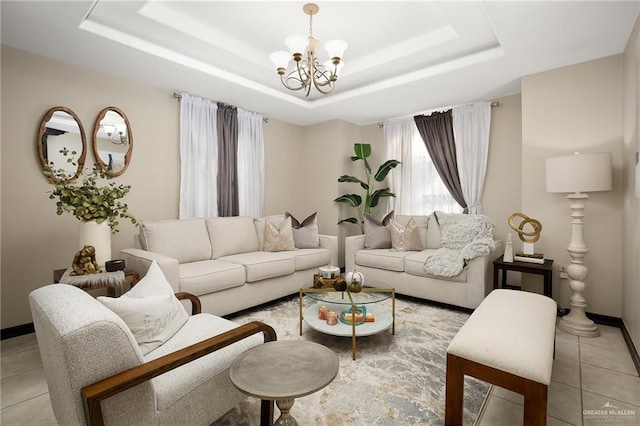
{"x": 140, "y": 260}
{"x": 113, "y": 385}
{"x": 352, "y": 244}
{"x": 330, "y": 242}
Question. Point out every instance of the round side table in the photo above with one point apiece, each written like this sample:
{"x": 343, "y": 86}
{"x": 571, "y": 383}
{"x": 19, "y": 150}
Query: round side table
{"x": 283, "y": 371}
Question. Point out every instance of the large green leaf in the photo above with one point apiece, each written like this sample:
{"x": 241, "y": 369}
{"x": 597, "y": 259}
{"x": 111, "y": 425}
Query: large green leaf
{"x": 349, "y": 220}
{"x": 354, "y": 200}
{"x": 362, "y": 150}
{"x": 352, "y": 179}
{"x": 380, "y": 193}
{"x": 384, "y": 169}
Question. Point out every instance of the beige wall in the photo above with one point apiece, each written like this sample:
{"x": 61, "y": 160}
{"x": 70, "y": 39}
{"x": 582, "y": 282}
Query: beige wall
{"x": 630, "y": 204}
{"x": 576, "y": 108}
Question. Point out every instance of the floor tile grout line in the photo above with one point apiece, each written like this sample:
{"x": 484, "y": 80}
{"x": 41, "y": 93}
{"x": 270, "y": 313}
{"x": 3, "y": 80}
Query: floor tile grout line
{"x": 25, "y": 400}
{"x": 39, "y": 367}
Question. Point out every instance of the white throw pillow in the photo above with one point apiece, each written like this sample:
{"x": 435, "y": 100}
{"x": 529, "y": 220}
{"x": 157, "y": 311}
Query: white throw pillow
{"x": 278, "y": 238}
{"x": 150, "y": 309}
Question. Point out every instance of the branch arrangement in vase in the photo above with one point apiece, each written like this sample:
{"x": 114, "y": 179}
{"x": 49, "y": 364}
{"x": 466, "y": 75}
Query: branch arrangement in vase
{"x": 90, "y": 200}
{"x": 371, "y": 196}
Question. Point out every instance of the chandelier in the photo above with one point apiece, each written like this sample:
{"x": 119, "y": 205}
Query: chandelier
{"x": 308, "y": 72}
{"x": 116, "y": 135}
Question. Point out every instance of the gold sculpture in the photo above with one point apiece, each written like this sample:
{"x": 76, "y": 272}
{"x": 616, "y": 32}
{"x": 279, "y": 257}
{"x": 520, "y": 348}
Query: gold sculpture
{"x": 84, "y": 261}
{"x": 526, "y": 237}
{"x": 528, "y": 253}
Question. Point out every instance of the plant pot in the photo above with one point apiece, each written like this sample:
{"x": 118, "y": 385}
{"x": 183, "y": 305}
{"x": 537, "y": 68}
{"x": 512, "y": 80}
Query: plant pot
{"x": 98, "y": 236}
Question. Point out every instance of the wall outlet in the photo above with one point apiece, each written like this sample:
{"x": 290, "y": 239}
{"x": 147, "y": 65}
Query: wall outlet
{"x": 562, "y": 269}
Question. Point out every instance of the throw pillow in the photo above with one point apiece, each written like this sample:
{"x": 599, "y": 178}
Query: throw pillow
{"x": 377, "y": 234}
{"x": 405, "y": 238}
{"x": 305, "y": 234}
{"x": 278, "y": 238}
{"x": 150, "y": 309}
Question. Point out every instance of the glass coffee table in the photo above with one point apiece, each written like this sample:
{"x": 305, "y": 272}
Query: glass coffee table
{"x": 369, "y": 299}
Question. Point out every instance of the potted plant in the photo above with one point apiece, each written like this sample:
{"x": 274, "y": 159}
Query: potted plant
{"x": 98, "y": 205}
{"x": 90, "y": 201}
{"x": 371, "y": 196}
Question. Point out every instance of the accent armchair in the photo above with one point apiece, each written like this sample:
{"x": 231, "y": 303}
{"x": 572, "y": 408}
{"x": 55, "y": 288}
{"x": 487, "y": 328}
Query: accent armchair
{"x": 97, "y": 374}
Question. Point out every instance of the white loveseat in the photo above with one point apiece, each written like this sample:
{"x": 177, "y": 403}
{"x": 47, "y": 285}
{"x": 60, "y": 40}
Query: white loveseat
{"x": 404, "y": 270}
{"x": 221, "y": 260}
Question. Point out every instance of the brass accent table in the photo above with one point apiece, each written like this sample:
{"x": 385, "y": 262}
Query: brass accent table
{"x": 283, "y": 370}
{"x": 339, "y": 300}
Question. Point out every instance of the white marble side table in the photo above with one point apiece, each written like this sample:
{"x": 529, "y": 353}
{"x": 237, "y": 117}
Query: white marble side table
{"x": 282, "y": 371}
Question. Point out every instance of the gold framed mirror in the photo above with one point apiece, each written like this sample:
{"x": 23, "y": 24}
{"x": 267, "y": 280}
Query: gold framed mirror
{"x": 61, "y": 144}
{"x": 112, "y": 141}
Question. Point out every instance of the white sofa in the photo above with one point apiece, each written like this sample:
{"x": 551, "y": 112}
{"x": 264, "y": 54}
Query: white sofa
{"x": 221, "y": 260}
{"x": 404, "y": 270}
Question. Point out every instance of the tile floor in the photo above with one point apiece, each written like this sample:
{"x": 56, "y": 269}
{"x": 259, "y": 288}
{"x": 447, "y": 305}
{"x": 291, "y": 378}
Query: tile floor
{"x": 588, "y": 373}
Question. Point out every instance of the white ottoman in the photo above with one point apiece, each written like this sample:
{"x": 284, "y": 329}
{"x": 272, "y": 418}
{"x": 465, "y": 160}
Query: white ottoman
{"x": 507, "y": 341}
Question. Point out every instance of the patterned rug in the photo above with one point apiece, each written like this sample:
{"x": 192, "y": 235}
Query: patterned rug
{"x": 395, "y": 380}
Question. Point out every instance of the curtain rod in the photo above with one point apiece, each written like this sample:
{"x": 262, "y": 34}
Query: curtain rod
{"x": 178, "y": 96}
{"x": 492, "y": 104}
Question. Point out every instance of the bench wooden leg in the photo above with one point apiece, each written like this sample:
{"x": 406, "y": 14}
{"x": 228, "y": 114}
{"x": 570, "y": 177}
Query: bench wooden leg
{"x": 535, "y": 404}
{"x": 454, "y": 391}
{"x": 266, "y": 412}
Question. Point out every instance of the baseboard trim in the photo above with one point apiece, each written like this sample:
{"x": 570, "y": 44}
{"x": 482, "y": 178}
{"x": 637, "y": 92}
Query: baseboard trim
{"x": 18, "y": 330}
{"x": 632, "y": 349}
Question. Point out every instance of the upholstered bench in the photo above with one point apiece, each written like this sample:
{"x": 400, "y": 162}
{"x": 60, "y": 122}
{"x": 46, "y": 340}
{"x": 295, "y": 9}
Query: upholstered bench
{"x": 507, "y": 341}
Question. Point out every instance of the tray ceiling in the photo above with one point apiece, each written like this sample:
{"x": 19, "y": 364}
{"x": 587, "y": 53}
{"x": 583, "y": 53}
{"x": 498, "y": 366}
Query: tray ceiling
{"x": 403, "y": 57}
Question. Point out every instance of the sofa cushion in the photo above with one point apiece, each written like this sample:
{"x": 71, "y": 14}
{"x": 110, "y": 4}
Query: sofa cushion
{"x": 260, "y": 265}
{"x": 186, "y": 240}
{"x": 209, "y": 276}
{"x": 150, "y": 309}
{"x": 382, "y": 259}
{"x": 421, "y": 220}
{"x": 177, "y": 383}
{"x": 305, "y": 233}
{"x": 377, "y": 234}
{"x": 311, "y": 258}
{"x": 278, "y": 237}
{"x": 232, "y": 235}
{"x": 259, "y": 223}
{"x": 405, "y": 238}
{"x": 434, "y": 236}
{"x": 414, "y": 265}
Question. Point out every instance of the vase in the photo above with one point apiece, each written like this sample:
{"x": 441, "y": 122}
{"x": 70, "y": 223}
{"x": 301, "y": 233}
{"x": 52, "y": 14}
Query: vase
{"x": 99, "y": 236}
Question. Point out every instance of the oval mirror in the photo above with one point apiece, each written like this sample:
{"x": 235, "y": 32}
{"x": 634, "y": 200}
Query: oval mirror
{"x": 112, "y": 141}
{"x": 61, "y": 144}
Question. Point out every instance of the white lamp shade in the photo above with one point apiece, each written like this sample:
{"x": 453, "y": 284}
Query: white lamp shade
{"x": 335, "y": 48}
{"x": 280, "y": 59}
{"x": 329, "y": 64}
{"x": 579, "y": 173}
{"x": 296, "y": 43}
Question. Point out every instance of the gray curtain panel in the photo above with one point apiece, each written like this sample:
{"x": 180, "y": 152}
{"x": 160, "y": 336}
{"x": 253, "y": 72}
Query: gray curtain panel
{"x": 228, "y": 200}
{"x": 437, "y": 133}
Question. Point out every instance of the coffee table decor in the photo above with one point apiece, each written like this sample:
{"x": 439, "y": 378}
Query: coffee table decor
{"x": 325, "y": 300}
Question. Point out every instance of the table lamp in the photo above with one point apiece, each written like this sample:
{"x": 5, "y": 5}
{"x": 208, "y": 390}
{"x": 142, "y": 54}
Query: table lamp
{"x": 577, "y": 174}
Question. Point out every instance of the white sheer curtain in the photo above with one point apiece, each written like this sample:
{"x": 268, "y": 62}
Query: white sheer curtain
{"x": 471, "y": 124}
{"x": 416, "y": 183}
{"x": 198, "y": 157}
{"x": 250, "y": 164}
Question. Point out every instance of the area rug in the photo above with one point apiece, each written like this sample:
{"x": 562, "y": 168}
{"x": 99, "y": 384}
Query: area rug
{"x": 395, "y": 380}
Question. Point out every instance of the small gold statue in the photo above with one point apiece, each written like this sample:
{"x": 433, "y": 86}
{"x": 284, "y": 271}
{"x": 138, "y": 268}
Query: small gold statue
{"x": 84, "y": 262}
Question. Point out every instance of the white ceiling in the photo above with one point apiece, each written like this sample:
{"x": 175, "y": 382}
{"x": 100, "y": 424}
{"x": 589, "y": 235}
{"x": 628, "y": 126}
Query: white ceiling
{"x": 403, "y": 57}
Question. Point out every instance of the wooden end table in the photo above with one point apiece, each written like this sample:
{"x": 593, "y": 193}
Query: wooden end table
{"x": 130, "y": 277}
{"x": 545, "y": 269}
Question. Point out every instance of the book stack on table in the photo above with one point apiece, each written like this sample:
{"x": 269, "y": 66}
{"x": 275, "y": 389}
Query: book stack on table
{"x": 530, "y": 258}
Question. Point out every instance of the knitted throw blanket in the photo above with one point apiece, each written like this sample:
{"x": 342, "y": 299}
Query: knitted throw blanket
{"x": 464, "y": 237}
